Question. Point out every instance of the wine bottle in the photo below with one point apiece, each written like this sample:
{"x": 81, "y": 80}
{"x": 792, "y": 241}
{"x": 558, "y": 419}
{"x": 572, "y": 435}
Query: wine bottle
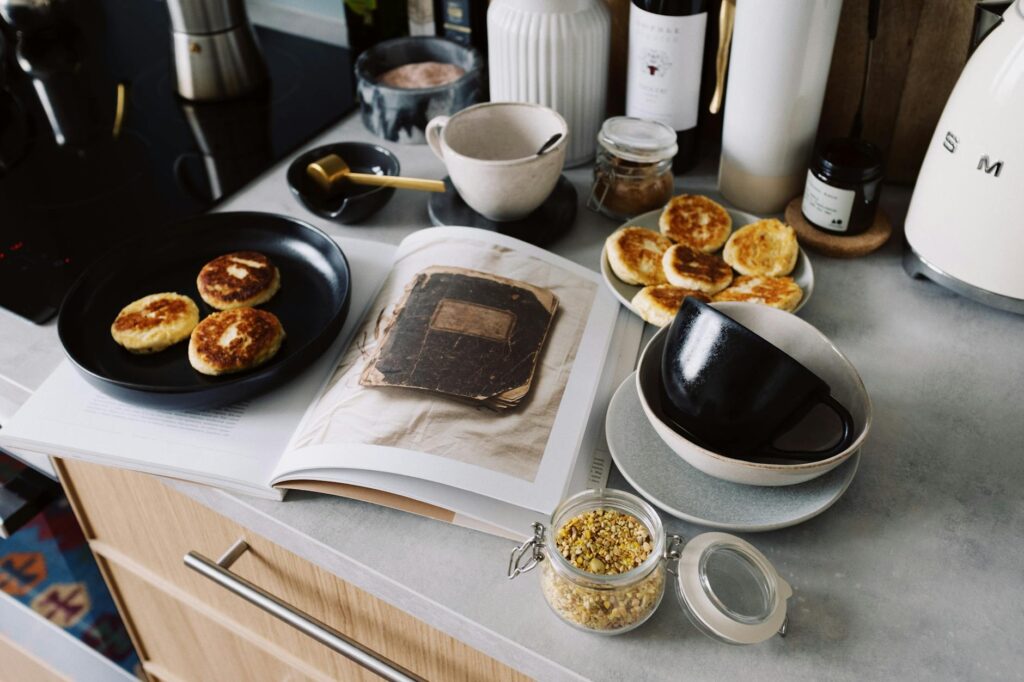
{"x": 462, "y": 21}
{"x": 666, "y": 52}
{"x": 372, "y": 21}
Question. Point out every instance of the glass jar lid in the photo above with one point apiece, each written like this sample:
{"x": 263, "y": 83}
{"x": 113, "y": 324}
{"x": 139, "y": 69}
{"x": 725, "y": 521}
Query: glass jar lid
{"x": 730, "y": 591}
{"x": 637, "y": 139}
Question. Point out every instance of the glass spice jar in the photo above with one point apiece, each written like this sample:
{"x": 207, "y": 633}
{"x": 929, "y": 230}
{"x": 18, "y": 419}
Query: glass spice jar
{"x": 633, "y": 169}
{"x": 603, "y": 603}
{"x": 726, "y": 588}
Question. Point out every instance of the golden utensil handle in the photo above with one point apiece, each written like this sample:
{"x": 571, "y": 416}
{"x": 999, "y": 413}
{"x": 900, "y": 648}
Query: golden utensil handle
{"x": 726, "y": 21}
{"x": 395, "y": 181}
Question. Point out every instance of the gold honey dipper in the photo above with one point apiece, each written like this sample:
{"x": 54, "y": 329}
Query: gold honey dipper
{"x": 331, "y": 171}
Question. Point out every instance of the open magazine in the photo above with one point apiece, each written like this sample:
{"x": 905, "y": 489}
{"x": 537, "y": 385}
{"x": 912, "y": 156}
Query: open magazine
{"x": 330, "y": 430}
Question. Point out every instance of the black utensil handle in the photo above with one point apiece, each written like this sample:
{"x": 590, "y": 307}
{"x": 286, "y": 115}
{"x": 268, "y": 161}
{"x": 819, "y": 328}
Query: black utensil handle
{"x": 847, "y": 437}
{"x": 185, "y": 180}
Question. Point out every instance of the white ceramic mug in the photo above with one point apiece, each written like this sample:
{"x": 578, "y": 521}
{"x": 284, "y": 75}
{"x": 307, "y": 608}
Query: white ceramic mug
{"x": 490, "y": 151}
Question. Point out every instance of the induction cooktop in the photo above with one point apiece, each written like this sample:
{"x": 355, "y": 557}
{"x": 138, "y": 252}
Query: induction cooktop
{"x": 97, "y": 147}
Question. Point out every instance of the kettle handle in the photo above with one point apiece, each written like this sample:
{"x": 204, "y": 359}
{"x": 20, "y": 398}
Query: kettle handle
{"x": 726, "y": 20}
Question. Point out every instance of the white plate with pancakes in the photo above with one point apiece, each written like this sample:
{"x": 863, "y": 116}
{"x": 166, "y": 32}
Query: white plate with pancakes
{"x": 802, "y": 273}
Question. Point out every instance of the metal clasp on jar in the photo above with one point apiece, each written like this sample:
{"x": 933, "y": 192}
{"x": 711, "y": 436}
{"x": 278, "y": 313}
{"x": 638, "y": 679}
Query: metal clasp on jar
{"x": 671, "y": 555}
{"x": 526, "y": 556}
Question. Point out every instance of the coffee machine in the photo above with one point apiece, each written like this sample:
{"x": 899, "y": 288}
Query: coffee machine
{"x": 965, "y": 225}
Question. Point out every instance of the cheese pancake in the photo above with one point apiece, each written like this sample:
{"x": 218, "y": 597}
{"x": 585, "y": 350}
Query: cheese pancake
{"x": 155, "y": 322}
{"x": 778, "y": 292}
{"x": 689, "y": 268}
{"x": 659, "y": 304}
{"x": 635, "y": 255}
{"x": 238, "y": 280}
{"x": 696, "y": 221}
{"x": 234, "y": 340}
{"x": 767, "y": 247}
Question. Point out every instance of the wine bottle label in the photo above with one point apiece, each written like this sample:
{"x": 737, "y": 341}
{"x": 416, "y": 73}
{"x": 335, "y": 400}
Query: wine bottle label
{"x": 456, "y": 21}
{"x": 826, "y": 206}
{"x": 663, "y": 72}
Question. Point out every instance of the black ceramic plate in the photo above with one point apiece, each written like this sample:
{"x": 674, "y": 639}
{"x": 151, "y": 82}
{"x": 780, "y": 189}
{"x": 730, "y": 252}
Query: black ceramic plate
{"x": 311, "y": 305}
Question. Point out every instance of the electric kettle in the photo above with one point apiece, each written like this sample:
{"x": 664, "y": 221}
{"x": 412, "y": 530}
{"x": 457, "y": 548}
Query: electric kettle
{"x": 965, "y": 225}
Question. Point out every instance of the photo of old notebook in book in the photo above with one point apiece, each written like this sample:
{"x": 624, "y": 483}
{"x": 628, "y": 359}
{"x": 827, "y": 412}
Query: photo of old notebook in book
{"x": 466, "y": 334}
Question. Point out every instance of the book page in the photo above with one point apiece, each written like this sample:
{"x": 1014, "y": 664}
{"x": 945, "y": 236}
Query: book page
{"x": 235, "y": 446}
{"x": 471, "y": 510}
{"x": 523, "y": 455}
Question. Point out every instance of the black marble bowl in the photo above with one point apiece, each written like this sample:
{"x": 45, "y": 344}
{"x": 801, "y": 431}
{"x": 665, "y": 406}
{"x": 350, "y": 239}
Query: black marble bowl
{"x": 401, "y": 114}
{"x": 351, "y": 203}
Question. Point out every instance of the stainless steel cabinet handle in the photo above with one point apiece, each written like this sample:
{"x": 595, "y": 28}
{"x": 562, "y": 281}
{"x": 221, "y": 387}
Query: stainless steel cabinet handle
{"x": 218, "y": 572}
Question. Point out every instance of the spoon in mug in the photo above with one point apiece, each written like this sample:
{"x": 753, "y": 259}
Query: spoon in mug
{"x": 549, "y": 144}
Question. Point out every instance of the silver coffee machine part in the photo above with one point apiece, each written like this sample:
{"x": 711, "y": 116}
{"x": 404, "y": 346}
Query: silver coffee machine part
{"x": 216, "y": 56}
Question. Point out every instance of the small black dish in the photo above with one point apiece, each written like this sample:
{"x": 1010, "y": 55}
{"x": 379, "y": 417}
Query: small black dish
{"x": 736, "y": 392}
{"x": 311, "y": 304}
{"x": 353, "y": 202}
{"x": 550, "y": 221}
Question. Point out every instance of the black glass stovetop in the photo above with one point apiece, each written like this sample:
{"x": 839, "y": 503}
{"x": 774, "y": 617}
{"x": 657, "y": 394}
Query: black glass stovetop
{"x": 76, "y": 178}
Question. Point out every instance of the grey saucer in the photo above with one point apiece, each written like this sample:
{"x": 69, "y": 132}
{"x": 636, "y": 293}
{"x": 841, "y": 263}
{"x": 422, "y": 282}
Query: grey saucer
{"x": 677, "y": 488}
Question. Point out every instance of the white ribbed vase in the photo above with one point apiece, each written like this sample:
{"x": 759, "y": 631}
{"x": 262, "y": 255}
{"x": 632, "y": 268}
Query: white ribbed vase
{"x": 555, "y": 53}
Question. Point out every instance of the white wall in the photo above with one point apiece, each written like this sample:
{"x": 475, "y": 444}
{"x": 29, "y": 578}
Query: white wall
{"x": 318, "y": 19}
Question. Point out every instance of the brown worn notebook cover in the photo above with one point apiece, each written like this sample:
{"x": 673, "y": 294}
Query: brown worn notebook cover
{"x": 467, "y": 334}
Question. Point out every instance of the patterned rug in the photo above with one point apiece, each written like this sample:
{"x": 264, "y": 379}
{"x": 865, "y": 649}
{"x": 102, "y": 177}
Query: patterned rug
{"x": 47, "y": 565}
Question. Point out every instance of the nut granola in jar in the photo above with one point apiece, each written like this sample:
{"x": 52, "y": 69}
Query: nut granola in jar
{"x": 605, "y": 568}
{"x": 605, "y": 560}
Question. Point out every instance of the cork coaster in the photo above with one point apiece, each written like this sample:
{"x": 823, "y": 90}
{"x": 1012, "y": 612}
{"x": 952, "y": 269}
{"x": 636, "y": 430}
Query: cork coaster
{"x": 835, "y": 245}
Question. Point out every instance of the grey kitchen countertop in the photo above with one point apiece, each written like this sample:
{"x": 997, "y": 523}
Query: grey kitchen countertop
{"x": 916, "y": 572}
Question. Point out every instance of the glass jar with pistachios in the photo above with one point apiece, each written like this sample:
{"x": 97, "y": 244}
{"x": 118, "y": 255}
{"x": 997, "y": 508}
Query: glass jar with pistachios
{"x": 605, "y": 568}
{"x": 605, "y": 560}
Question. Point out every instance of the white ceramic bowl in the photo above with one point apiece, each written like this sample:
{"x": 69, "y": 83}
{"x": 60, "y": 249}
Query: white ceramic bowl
{"x": 807, "y": 345}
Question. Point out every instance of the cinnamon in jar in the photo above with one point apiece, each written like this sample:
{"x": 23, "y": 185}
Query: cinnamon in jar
{"x": 633, "y": 169}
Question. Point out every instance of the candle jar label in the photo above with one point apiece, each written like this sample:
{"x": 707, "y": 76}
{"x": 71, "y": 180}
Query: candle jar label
{"x": 826, "y": 206}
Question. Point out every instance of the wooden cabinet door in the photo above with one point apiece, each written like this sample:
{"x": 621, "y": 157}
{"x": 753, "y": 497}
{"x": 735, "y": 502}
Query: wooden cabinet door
{"x": 140, "y": 527}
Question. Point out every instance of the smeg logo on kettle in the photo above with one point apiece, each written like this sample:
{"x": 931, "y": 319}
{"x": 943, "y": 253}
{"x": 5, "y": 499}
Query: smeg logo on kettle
{"x": 951, "y": 142}
{"x": 991, "y": 168}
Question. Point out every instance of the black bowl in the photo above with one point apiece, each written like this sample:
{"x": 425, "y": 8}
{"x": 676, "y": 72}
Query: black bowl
{"x": 311, "y": 304}
{"x": 736, "y": 392}
{"x": 353, "y": 202}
